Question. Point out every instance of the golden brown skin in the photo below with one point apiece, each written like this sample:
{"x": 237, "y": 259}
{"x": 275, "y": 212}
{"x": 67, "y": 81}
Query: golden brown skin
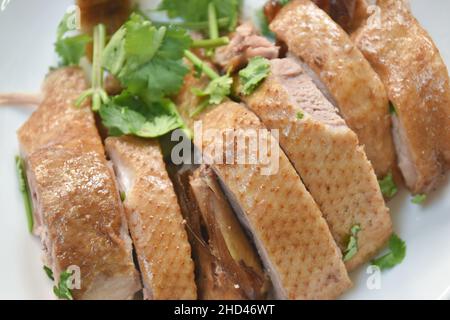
{"x": 76, "y": 201}
{"x": 349, "y": 14}
{"x": 358, "y": 92}
{"x": 287, "y": 226}
{"x": 57, "y": 119}
{"x": 326, "y": 154}
{"x": 417, "y": 82}
{"x": 154, "y": 218}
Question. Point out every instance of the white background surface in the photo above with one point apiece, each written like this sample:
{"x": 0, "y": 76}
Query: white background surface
{"x": 27, "y": 33}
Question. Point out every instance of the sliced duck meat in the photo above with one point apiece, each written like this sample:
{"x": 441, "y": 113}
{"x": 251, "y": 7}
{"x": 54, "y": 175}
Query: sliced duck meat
{"x": 75, "y": 198}
{"x": 326, "y": 154}
{"x": 154, "y": 219}
{"x": 112, "y": 13}
{"x": 356, "y": 89}
{"x": 227, "y": 265}
{"x": 417, "y": 82}
{"x": 349, "y": 14}
{"x": 245, "y": 44}
{"x": 286, "y": 225}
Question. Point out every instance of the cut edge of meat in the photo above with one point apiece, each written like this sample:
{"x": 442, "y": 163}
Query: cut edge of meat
{"x": 291, "y": 73}
{"x": 246, "y": 43}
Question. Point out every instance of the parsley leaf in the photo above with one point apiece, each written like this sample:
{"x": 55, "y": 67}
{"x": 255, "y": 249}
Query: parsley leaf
{"x": 194, "y": 11}
{"x": 25, "y": 190}
{"x": 352, "y": 247}
{"x": 300, "y": 115}
{"x": 257, "y": 70}
{"x": 130, "y": 114}
{"x": 387, "y": 186}
{"x": 145, "y": 58}
{"x": 49, "y": 272}
{"x": 419, "y": 199}
{"x": 396, "y": 255}
{"x": 217, "y": 90}
{"x": 70, "y": 49}
{"x": 62, "y": 290}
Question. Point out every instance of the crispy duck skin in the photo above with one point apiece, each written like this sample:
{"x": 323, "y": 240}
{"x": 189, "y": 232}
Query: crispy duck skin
{"x": 287, "y": 227}
{"x": 154, "y": 219}
{"x": 76, "y": 202}
{"x": 311, "y": 35}
{"x": 417, "y": 82}
{"x": 349, "y": 14}
{"x": 227, "y": 266}
{"x": 326, "y": 153}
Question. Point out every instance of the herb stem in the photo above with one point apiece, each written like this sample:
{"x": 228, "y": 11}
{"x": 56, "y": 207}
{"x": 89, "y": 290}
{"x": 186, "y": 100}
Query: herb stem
{"x": 25, "y": 190}
{"x": 201, "y": 65}
{"x": 211, "y": 43}
{"x": 97, "y": 69}
{"x": 202, "y": 25}
{"x": 212, "y": 20}
{"x": 213, "y": 26}
{"x": 199, "y": 109}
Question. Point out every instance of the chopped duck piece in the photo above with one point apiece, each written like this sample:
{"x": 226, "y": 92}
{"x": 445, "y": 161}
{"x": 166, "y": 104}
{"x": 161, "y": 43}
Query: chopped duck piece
{"x": 76, "y": 202}
{"x": 245, "y": 44}
{"x": 154, "y": 219}
{"x": 326, "y": 154}
{"x": 349, "y": 14}
{"x": 57, "y": 119}
{"x": 112, "y": 13}
{"x": 356, "y": 89}
{"x": 287, "y": 227}
{"x": 227, "y": 265}
{"x": 417, "y": 82}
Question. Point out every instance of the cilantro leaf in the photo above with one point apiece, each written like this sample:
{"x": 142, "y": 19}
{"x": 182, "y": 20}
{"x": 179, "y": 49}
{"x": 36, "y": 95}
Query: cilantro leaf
{"x": 25, "y": 190}
{"x": 49, "y": 272}
{"x": 197, "y": 10}
{"x": 396, "y": 255}
{"x": 300, "y": 115}
{"x": 217, "y": 90}
{"x": 72, "y": 49}
{"x": 352, "y": 247}
{"x": 257, "y": 70}
{"x": 387, "y": 186}
{"x": 419, "y": 199}
{"x": 130, "y": 114}
{"x": 62, "y": 290}
{"x": 68, "y": 23}
{"x": 145, "y": 58}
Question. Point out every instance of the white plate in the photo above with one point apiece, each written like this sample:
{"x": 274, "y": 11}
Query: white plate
{"x": 27, "y": 32}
